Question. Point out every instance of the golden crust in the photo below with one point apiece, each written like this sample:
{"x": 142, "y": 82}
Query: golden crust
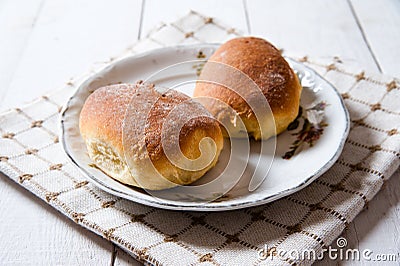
{"x": 156, "y": 119}
{"x": 102, "y": 121}
{"x": 263, "y": 63}
{"x": 103, "y": 113}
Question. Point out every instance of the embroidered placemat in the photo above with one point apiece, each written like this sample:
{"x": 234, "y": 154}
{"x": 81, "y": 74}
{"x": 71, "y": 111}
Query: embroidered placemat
{"x": 31, "y": 155}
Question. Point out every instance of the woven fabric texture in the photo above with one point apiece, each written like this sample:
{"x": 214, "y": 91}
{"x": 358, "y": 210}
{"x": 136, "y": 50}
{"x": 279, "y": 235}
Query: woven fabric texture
{"x": 30, "y": 154}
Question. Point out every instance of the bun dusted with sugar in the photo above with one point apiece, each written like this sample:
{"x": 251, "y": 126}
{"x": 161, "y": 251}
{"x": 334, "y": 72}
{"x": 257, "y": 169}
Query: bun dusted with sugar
{"x": 128, "y": 127}
{"x": 262, "y": 63}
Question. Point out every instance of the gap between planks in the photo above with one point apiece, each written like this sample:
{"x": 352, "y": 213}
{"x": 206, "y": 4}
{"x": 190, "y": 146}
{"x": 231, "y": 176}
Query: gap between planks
{"x": 357, "y": 20}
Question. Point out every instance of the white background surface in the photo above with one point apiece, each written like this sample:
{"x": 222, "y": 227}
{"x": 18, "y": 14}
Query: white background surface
{"x": 44, "y": 43}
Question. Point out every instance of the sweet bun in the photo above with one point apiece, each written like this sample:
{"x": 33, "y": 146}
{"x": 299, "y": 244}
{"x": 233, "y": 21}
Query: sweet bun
{"x": 122, "y": 126}
{"x": 262, "y": 63}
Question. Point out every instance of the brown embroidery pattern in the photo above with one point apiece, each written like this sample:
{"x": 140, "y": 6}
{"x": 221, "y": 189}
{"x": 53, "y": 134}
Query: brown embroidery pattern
{"x": 199, "y": 67}
{"x": 312, "y": 128}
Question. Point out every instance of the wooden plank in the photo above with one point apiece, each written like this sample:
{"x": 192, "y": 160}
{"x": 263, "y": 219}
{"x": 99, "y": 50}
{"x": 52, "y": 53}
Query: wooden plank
{"x": 230, "y": 12}
{"x": 380, "y": 22}
{"x": 67, "y": 39}
{"x": 316, "y": 28}
{"x": 16, "y": 25}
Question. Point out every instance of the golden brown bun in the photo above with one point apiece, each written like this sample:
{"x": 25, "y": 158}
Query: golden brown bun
{"x": 263, "y": 63}
{"x": 102, "y": 127}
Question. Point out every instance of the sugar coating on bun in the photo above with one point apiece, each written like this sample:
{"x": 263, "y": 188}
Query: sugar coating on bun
{"x": 122, "y": 126}
{"x": 264, "y": 64}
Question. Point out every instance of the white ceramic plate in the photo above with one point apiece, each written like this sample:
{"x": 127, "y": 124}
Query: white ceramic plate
{"x": 285, "y": 177}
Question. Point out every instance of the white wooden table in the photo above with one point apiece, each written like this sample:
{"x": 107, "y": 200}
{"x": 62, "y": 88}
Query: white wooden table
{"x": 44, "y": 43}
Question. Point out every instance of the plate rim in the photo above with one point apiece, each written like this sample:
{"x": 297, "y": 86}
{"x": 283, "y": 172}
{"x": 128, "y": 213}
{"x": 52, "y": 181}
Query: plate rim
{"x": 199, "y": 206}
